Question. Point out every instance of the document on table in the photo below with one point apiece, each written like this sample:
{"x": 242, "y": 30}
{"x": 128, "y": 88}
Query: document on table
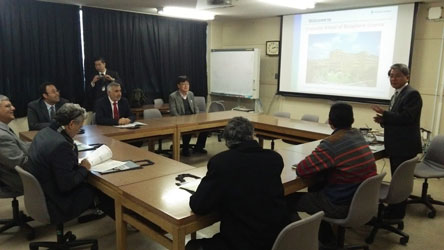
{"x": 131, "y": 125}
{"x": 190, "y": 186}
{"x": 100, "y": 160}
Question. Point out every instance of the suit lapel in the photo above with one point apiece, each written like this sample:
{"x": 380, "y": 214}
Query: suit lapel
{"x": 399, "y": 98}
{"x": 44, "y": 110}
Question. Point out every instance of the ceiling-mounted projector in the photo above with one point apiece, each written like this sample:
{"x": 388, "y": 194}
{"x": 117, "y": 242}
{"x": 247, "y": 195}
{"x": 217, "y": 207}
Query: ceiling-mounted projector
{"x": 211, "y": 4}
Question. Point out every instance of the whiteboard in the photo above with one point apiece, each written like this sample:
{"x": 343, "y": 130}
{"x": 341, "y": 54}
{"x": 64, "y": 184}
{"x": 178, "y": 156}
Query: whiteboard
{"x": 235, "y": 72}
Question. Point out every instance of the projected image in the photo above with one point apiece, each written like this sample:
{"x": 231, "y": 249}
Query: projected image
{"x": 349, "y": 59}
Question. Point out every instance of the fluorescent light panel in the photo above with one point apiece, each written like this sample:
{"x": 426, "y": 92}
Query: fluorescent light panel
{"x": 297, "y": 4}
{"x": 187, "y": 13}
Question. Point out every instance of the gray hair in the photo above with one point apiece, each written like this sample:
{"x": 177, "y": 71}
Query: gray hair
{"x": 238, "y": 130}
{"x": 3, "y": 98}
{"x": 401, "y": 67}
{"x": 70, "y": 112}
{"x": 112, "y": 85}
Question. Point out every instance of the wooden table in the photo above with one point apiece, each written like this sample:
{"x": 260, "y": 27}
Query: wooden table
{"x": 164, "y": 109}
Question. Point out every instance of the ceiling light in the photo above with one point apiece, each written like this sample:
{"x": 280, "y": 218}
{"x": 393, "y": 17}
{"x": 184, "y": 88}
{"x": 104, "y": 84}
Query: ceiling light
{"x": 187, "y": 13}
{"x": 297, "y": 4}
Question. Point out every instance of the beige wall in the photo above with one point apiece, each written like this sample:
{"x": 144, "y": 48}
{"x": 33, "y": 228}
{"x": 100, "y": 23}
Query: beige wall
{"x": 253, "y": 33}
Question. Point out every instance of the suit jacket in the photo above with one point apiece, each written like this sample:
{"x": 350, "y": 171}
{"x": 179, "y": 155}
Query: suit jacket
{"x": 104, "y": 112}
{"x": 244, "y": 185}
{"x": 13, "y": 152}
{"x": 402, "y": 136}
{"x": 176, "y": 103}
{"x": 99, "y": 90}
{"x": 53, "y": 160}
{"x": 38, "y": 116}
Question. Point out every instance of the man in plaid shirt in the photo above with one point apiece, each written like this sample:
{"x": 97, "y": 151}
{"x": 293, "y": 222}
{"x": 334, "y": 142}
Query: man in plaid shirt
{"x": 338, "y": 165}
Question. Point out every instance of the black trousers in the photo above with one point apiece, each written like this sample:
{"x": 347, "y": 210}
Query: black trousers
{"x": 201, "y": 140}
{"x": 215, "y": 243}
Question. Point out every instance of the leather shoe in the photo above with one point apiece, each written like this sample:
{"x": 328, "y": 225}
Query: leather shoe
{"x": 200, "y": 150}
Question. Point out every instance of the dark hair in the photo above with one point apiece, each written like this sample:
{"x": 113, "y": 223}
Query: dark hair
{"x": 401, "y": 67}
{"x": 42, "y": 87}
{"x": 341, "y": 115}
{"x": 238, "y": 130}
{"x": 100, "y": 58}
{"x": 182, "y": 78}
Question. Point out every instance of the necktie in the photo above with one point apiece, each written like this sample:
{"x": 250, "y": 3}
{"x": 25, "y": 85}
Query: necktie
{"x": 115, "y": 111}
{"x": 51, "y": 112}
{"x": 392, "y": 101}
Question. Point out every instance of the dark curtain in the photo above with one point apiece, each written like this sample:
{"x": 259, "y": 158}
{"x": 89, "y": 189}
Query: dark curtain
{"x": 149, "y": 52}
{"x": 39, "y": 42}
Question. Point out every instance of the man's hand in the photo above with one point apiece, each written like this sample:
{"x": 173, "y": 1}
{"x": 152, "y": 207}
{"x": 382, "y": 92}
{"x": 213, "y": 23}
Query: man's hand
{"x": 124, "y": 121}
{"x": 85, "y": 163}
{"x": 109, "y": 78}
{"x": 378, "y": 119}
{"x": 94, "y": 80}
{"x": 377, "y": 109}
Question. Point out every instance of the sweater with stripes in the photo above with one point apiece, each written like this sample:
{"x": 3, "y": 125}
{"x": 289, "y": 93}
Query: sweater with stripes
{"x": 346, "y": 160}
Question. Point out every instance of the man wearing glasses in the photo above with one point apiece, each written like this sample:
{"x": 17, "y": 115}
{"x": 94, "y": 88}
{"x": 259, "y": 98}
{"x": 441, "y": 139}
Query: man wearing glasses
{"x": 42, "y": 110}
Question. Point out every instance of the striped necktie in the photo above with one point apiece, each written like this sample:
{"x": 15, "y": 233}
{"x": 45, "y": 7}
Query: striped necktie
{"x": 393, "y": 100}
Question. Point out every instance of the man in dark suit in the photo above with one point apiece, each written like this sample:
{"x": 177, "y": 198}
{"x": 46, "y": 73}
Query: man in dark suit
{"x": 53, "y": 160}
{"x": 402, "y": 136}
{"x": 102, "y": 77}
{"x": 182, "y": 102}
{"x": 42, "y": 110}
{"x": 113, "y": 109}
{"x": 13, "y": 152}
{"x": 243, "y": 184}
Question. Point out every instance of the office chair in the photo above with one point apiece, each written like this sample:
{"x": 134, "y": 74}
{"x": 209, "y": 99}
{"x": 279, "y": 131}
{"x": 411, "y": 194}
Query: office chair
{"x": 152, "y": 114}
{"x": 158, "y": 102}
{"x": 398, "y": 190}
{"x": 310, "y": 118}
{"x": 217, "y": 106}
{"x": 35, "y": 204}
{"x": 266, "y": 137}
{"x": 363, "y": 207}
{"x": 432, "y": 166}
{"x": 19, "y": 219}
{"x": 300, "y": 235}
{"x": 201, "y": 104}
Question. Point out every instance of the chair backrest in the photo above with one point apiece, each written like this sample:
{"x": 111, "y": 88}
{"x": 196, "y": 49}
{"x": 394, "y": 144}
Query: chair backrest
{"x": 158, "y": 102}
{"x": 34, "y": 197}
{"x": 365, "y": 202}
{"x": 401, "y": 185}
{"x": 282, "y": 114}
{"x": 200, "y": 102}
{"x": 216, "y": 106}
{"x": 300, "y": 235}
{"x": 310, "y": 118}
{"x": 151, "y": 113}
{"x": 435, "y": 153}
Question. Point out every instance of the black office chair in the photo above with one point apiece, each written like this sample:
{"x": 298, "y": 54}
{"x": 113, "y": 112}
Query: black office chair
{"x": 35, "y": 204}
{"x": 153, "y": 114}
{"x": 19, "y": 219}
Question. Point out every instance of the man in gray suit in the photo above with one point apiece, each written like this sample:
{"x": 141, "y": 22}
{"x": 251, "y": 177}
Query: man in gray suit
{"x": 13, "y": 151}
{"x": 182, "y": 103}
{"x": 42, "y": 110}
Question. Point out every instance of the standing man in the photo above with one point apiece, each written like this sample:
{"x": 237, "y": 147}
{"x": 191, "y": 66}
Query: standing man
{"x": 54, "y": 162}
{"x": 113, "y": 109}
{"x": 13, "y": 152}
{"x": 42, "y": 110}
{"x": 338, "y": 165}
{"x": 242, "y": 184}
{"x": 102, "y": 77}
{"x": 402, "y": 136}
{"x": 182, "y": 103}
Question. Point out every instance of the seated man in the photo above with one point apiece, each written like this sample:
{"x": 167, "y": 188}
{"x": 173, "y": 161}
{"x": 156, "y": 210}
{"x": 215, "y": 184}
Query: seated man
{"x": 244, "y": 185}
{"x": 113, "y": 109}
{"x": 53, "y": 160}
{"x": 13, "y": 152}
{"x": 42, "y": 110}
{"x": 338, "y": 165}
{"x": 182, "y": 103}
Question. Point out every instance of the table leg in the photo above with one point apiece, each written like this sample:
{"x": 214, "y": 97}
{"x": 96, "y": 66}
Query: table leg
{"x": 120, "y": 226}
{"x": 193, "y": 235}
{"x": 176, "y": 145}
{"x": 261, "y": 141}
{"x": 179, "y": 240}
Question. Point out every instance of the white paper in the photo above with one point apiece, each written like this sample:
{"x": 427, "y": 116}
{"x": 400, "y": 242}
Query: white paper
{"x": 105, "y": 166}
{"x": 102, "y": 154}
{"x": 131, "y": 125}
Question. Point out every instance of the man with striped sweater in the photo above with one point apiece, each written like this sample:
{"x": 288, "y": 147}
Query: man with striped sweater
{"x": 338, "y": 165}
